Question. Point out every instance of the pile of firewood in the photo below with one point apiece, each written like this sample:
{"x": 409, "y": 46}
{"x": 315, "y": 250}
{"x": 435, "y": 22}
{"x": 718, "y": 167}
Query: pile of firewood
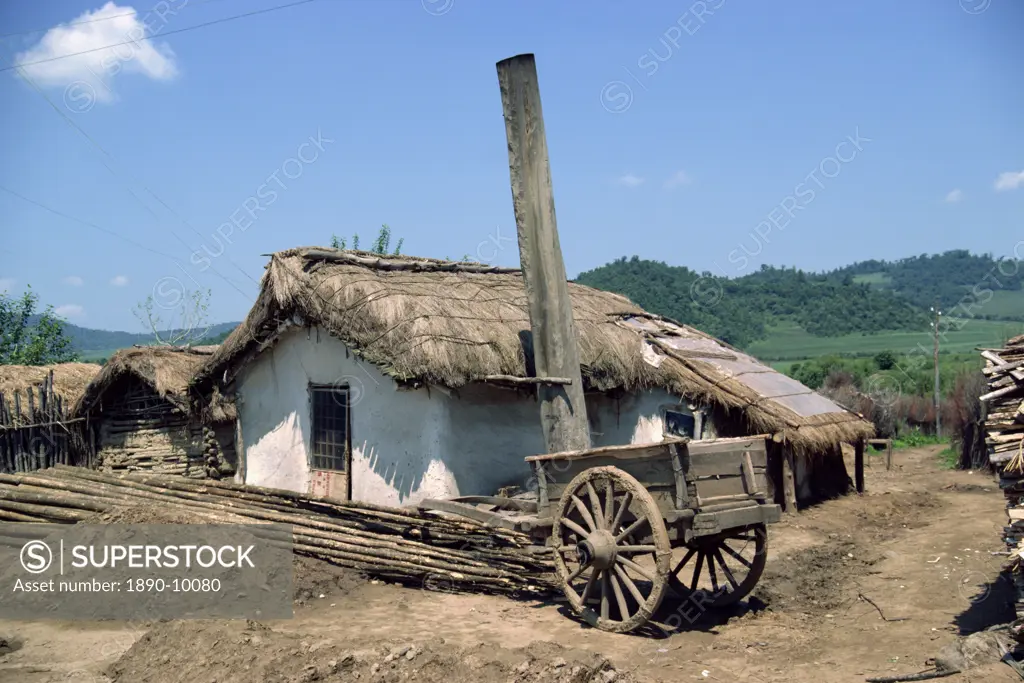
{"x": 399, "y": 544}
{"x": 1004, "y": 401}
{"x": 1004, "y": 436}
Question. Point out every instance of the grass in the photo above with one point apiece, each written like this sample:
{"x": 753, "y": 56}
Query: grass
{"x": 790, "y": 342}
{"x": 949, "y": 458}
{"x": 1004, "y": 304}
{"x": 878, "y": 280}
{"x": 915, "y": 439}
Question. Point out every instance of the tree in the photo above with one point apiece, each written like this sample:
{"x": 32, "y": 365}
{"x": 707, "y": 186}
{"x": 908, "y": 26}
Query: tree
{"x": 885, "y": 360}
{"x": 380, "y": 245}
{"x": 31, "y": 338}
{"x": 188, "y": 324}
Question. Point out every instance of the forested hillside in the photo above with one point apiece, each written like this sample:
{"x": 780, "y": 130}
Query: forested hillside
{"x": 741, "y": 310}
{"x": 85, "y": 339}
{"x": 984, "y": 286}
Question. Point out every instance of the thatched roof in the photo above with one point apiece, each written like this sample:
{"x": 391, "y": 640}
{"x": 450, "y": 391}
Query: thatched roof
{"x": 449, "y": 324}
{"x": 69, "y": 381}
{"x": 166, "y": 370}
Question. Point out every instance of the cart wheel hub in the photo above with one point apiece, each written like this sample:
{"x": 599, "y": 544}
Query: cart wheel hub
{"x": 598, "y": 550}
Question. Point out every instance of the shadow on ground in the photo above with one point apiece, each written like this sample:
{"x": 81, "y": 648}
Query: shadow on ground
{"x": 992, "y": 605}
{"x": 676, "y": 615}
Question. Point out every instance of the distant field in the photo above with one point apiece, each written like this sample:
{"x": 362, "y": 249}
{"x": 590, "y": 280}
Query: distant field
{"x": 784, "y": 365}
{"x": 874, "y": 279}
{"x": 95, "y": 355}
{"x": 1004, "y": 303}
{"x": 791, "y": 343}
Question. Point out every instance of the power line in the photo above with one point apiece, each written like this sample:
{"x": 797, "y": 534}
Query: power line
{"x": 69, "y": 217}
{"x": 159, "y": 35}
{"x": 105, "y": 153}
{"x": 192, "y": 3}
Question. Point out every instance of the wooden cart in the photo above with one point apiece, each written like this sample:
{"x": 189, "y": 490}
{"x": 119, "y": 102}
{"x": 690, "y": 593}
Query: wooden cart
{"x": 628, "y": 523}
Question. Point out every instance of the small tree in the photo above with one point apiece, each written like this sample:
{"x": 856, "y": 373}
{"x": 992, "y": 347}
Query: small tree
{"x": 188, "y": 318}
{"x": 31, "y": 338}
{"x": 885, "y": 360}
{"x": 380, "y": 245}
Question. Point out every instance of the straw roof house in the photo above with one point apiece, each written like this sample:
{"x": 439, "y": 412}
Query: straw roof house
{"x": 457, "y": 333}
{"x": 138, "y": 406}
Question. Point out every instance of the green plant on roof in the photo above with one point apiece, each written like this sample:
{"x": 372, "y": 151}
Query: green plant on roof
{"x": 381, "y": 245}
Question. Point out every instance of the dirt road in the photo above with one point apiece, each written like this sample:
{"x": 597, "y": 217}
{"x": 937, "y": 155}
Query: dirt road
{"x": 870, "y": 585}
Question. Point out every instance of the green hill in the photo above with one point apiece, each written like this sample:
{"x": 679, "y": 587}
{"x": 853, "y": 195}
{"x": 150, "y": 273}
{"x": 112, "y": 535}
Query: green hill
{"x": 743, "y": 310}
{"x": 83, "y": 338}
{"x": 98, "y": 345}
{"x": 964, "y": 284}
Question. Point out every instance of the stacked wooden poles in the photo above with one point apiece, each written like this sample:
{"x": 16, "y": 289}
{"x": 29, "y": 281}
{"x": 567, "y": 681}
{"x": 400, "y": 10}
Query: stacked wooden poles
{"x": 399, "y": 544}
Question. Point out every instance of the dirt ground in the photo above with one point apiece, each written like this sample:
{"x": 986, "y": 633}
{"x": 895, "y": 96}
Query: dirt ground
{"x": 858, "y": 587}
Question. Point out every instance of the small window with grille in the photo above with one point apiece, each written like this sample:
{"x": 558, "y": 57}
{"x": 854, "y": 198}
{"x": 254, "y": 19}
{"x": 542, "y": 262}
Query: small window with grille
{"x": 330, "y": 437}
{"x": 684, "y": 420}
{"x": 680, "y": 424}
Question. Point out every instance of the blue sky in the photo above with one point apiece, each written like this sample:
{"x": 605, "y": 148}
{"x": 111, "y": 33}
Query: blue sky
{"x": 688, "y": 132}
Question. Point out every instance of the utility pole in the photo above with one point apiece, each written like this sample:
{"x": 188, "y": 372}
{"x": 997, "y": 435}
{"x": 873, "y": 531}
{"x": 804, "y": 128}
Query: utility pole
{"x": 563, "y": 413}
{"x": 938, "y": 400}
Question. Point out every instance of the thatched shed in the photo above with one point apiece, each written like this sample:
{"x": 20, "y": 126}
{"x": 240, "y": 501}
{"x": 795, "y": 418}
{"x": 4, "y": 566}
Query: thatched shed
{"x": 138, "y": 409}
{"x": 35, "y": 403}
{"x": 456, "y": 338}
{"x": 69, "y": 381}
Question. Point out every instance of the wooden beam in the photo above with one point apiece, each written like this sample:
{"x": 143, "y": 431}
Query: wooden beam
{"x": 630, "y": 451}
{"x": 1002, "y": 367}
{"x": 858, "y": 464}
{"x": 999, "y": 392}
{"x": 402, "y": 264}
{"x": 555, "y": 351}
{"x": 788, "y": 480}
{"x": 512, "y": 379}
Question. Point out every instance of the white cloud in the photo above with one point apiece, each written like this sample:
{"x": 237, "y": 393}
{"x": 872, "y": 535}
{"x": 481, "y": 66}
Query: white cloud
{"x": 677, "y": 179}
{"x": 954, "y": 196}
{"x": 119, "y": 281}
{"x": 70, "y": 311}
{"x": 630, "y": 180}
{"x": 1009, "y": 180}
{"x": 74, "y": 281}
{"x": 91, "y": 75}
{"x": 6, "y": 284}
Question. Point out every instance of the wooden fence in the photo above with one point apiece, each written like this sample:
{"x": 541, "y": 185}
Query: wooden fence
{"x": 36, "y": 432}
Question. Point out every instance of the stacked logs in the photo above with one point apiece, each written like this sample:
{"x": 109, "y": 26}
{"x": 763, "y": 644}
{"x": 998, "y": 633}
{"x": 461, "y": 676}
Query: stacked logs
{"x": 1004, "y": 437}
{"x": 393, "y": 543}
{"x": 1004, "y": 402}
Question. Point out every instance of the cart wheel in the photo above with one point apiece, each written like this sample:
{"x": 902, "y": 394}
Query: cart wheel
{"x": 724, "y": 567}
{"x": 605, "y": 519}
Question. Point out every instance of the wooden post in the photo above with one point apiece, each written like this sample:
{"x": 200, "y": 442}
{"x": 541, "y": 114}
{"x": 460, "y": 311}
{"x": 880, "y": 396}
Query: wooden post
{"x": 563, "y": 412}
{"x": 888, "y": 454}
{"x": 788, "y": 480}
{"x": 858, "y": 464}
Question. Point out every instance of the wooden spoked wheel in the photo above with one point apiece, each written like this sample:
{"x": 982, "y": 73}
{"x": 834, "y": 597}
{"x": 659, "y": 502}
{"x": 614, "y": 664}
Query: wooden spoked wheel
{"x": 725, "y": 567}
{"x": 605, "y": 519}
